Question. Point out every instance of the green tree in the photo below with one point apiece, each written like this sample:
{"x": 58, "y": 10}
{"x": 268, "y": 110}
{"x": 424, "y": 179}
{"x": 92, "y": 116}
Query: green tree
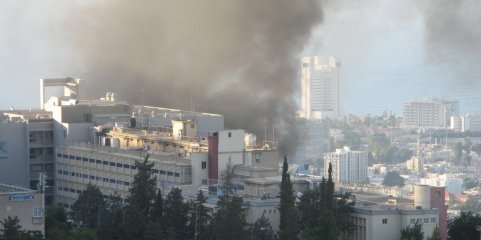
{"x": 13, "y": 231}
{"x": 288, "y": 227}
{"x": 229, "y": 220}
{"x": 200, "y": 217}
{"x": 457, "y": 150}
{"x": 464, "y": 226}
{"x": 412, "y": 232}
{"x": 56, "y": 226}
{"x": 11, "y": 228}
{"x": 144, "y": 186}
{"x": 111, "y": 220}
{"x": 393, "y": 179}
{"x": 377, "y": 142}
{"x": 86, "y": 209}
{"x": 469, "y": 183}
{"x": 176, "y": 212}
{"x": 436, "y": 235}
{"x": 477, "y": 148}
{"x": 137, "y": 213}
{"x": 262, "y": 230}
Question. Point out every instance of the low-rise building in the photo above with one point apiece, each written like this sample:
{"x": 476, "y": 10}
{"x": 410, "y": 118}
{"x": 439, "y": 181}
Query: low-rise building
{"x": 25, "y": 204}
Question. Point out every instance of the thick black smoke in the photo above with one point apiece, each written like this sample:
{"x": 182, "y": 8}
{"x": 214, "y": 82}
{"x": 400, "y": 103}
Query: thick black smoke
{"x": 453, "y": 38}
{"x": 236, "y": 58}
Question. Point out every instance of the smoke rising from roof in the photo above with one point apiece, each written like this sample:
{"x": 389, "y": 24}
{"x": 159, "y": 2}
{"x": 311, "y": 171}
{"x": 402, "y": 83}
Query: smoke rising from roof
{"x": 237, "y": 58}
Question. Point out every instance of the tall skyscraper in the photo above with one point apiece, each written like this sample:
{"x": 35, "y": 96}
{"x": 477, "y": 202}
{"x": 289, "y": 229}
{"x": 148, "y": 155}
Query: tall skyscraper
{"x": 347, "y": 166}
{"x": 319, "y": 88}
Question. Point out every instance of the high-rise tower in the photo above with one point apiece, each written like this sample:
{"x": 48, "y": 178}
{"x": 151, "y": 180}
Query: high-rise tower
{"x": 319, "y": 88}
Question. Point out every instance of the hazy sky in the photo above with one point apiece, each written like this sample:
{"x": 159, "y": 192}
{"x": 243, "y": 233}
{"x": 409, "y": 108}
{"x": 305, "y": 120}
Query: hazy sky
{"x": 388, "y": 50}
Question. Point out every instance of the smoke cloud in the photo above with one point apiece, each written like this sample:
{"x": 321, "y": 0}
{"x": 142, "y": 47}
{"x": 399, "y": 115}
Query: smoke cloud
{"x": 453, "y": 38}
{"x": 236, "y": 58}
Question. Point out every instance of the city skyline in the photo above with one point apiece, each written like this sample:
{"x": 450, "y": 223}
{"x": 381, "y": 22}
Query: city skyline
{"x": 401, "y": 59}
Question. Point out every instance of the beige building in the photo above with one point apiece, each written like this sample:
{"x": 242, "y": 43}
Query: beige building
{"x": 25, "y": 204}
{"x": 376, "y": 222}
{"x": 112, "y": 170}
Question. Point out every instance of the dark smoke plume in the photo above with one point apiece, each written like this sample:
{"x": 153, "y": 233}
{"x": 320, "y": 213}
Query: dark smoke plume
{"x": 453, "y": 38}
{"x": 236, "y": 58}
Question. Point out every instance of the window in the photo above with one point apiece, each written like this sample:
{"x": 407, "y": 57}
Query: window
{"x": 204, "y": 165}
{"x": 65, "y": 156}
{"x": 229, "y": 134}
{"x": 177, "y": 174}
{"x": 155, "y": 170}
{"x": 162, "y": 172}
{"x": 112, "y": 180}
{"x": 71, "y": 157}
{"x": 119, "y": 165}
{"x": 437, "y": 194}
{"x": 384, "y": 221}
{"x": 98, "y": 162}
{"x": 92, "y": 177}
{"x": 419, "y": 220}
{"x": 59, "y": 171}
{"x": 258, "y": 157}
{"x": 59, "y": 155}
{"x": 92, "y": 160}
{"x": 112, "y": 164}
{"x": 37, "y": 212}
{"x": 126, "y": 166}
{"x": 426, "y": 220}
{"x": 78, "y": 158}
{"x": 433, "y": 220}
{"x": 85, "y": 159}
{"x": 105, "y": 163}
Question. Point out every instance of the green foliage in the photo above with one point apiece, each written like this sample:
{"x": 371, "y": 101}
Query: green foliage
{"x": 436, "y": 235}
{"x": 412, "y": 232}
{"x": 469, "y": 183}
{"x": 393, "y": 179}
{"x": 383, "y": 152}
{"x": 262, "y": 230}
{"x": 136, "y": 214}
{"x": 229, "y": 220}
{"x": 288, "y": 227}
{"x": 143, "y": 189}
{"x": 472, "y": 205}
{"x": 477, "y": 148}
{"x": 56, "y": 226}
{"x": 111, "y": 221}
{"x": 324, "y": 214}
{"x": 200, "y": 217}
{"x": 86, "y": 209}
{"x": 12, "y": 230}
{"x": 464, "y": 226}
{"x": 457, "y": 150}
{"x": 176, "y": 213}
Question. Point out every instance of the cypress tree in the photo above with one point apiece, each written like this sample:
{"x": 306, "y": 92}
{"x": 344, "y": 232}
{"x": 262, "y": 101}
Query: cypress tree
{"x": 288, "y": 227}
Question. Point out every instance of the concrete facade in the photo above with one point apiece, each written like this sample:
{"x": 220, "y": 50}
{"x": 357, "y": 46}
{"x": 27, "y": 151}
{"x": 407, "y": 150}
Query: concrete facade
{"x": 429, "y": 113}
{"x": 26, "y": 205}
{"x": 319, "y": 88}
{"x": 347, "y": 166}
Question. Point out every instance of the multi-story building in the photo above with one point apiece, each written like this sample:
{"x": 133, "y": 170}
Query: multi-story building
{"x": 429, "y": 113}
{"x": 469, "y": 122}
{"x": 27, "y": 149}
{"x": 347, "y": 166}
{"x": 112, "y": 170}
{"x": 319, "y": 88}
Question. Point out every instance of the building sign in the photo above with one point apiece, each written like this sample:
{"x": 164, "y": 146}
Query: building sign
{"x": 3, "y": 152}
{"x": 21, "y": 197}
